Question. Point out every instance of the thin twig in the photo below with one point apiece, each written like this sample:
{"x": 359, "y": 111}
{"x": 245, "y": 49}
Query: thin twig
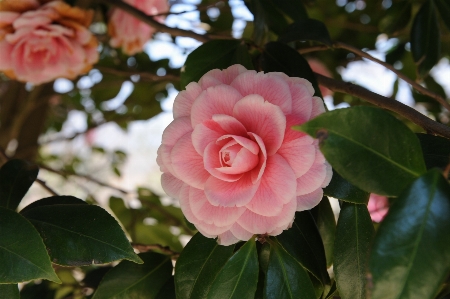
{"x": 399, "y": 74}
{"x": 138, "y": 14}
{"x": 152, "y": 247}
{"x": 426, "y": 123}
{"x": 144, "y": 75}
{"x": 313, "y": 49}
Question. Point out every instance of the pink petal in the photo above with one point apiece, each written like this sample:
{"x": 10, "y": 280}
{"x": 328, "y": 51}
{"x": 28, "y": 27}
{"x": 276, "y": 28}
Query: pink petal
{"x": 270, "y": 86}
{"x": 164, "y": 159}
{"x": 291, "y": 134}
{"x": 184, "y": 204}
{"x": 210, "y": 230}
{"x": 230, "y": 194}
{"x": 230, "y": 124}
{"x": 262, "y": 118}
{"x": 5, "y": 55}
{"x": 277, "y": 188}
{"x": 310, "y": 200}
{"x": 259, "y": 170}
{"x": 211, "y": 160}
{"x": 227, "y": 238}
{"x": 258, "y": 224}
{"x": 329, "y": 175}
{"x": 317, "y": 107}
{"x": 175, "y": 130}
{"x": 207, "y": 213}
{"x": 302, "y": 99}
{"x": 218, "y": 99}
{"x": 240, "y": 233}
{"x": 187, "y": 164}
{"x": 312, "y": 180}
{"x": 202, "y": 136}
{"x": 244, "y": 142}
{"x": 217, "y": 77}
{"x": 299, "y": 156}
{"x": 7, "y": 18}
{"x": 171, "y": 185}
{"x": 184, "y": 100}
{"x": 243, "y": 162}
{"x": 160, "y": 161}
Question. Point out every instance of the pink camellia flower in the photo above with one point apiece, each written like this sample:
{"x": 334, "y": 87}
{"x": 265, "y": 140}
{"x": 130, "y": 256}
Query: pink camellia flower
{"x": 128, "y": 32}
{"x": 39, "y": 43}
{"x": 320, "y": 68}
{"x": 378, "y": 207}
{"x": 232, "y": 159}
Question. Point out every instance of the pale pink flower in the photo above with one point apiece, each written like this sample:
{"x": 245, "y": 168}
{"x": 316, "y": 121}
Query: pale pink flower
{"x": 378, "y": 207}
{"x": 232, "y": 159}
{"x": 128, "y": 32}
{"x": 320, "y": 68}
{"x": 39, "y": 43}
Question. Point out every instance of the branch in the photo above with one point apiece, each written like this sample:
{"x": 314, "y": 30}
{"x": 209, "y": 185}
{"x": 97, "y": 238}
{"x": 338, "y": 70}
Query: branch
{"x": 426, "y": 123}
{"x": 151, "y": 247}
{"x": 138, "y": 14}
{"x": 144, "y": 75}
{"x": 399, "y": 74}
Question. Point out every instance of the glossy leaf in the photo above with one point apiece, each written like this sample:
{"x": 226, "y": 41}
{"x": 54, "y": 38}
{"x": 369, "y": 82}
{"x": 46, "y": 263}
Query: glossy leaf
{"x": 18, "y": 262}
{"x": 167, "y": 291}
{"x": 16, "y": 177}
{"x": 306, "y": 30}
{"x": 304, "y": 243}
{"x": 198, "y": 265}
{"x": 215, "y": 54}
{"x": 326, "y": 223}
{"x": 396, "y": 17}
{"x": 436, "y": 150}
{"x": 286, "y": 278}
{"x": 80, "y": 234}
{"x": 383, "y": 161}
{"x": 278, "y": 57}
{"x": 354, "y": 234}
{"x": 342, "y": 189}
{"x": 239, "y": 276}
{"x": 443, "y": 6}
{"x": 130, "y": 280}
{"x": 9, "y": 291}
{"x": 411, "y": 251}
{"x": 54, "y": 200}
{"x": 425, "y": 38}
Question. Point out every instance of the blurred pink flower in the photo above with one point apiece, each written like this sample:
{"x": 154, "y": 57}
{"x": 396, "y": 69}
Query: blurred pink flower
{"x": 378, "y": 207}
{"x": 128, "y": 32}
{"x": 232, "y": 159}
{"x": 320, "y": 68}
{"x": 39, "y": 43}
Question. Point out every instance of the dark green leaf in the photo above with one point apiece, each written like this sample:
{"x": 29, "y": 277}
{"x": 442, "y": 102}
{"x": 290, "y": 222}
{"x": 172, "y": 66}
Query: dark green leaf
{"x": 215, "y": 54}
{"x": 168, "y": 290}
{"x": 9, "y": 291}
{"x": 443, "y": 6}
{"x": 303, "y": 242}
{"x": 293, "y": 8}
{"x": 382, "y": 162}
{"x": 273, "y": 17}
{"x": 121, "y": 211}
{"x": 16, "y": 177}
{"x": 436, "y": 150}
{"x": 278, "y": 57}
{"x": 286, "y": 278}
{"x": 92, "y": 278}
{"x": 80, "y": 234}
{"x": 341, "y": 189}
{"x": 239, "y": 276}
{"x": 425, "y": 38}
{"x": 198, "y": 265}
{"x": 41, "y": 290}
{"x": 396, "y": 17}
{"x": 18, "y": 262}
{"x": 242, "y": 57}
{"x": 157, "y": 233}
{"x": 411, "y": 251}
{"x": 395, "y": 53}
{"x": 54, "y": 200}
{"x": 129, "y": 280}
{"x": 324, "y": 217}
{"x": 354, "y": 234}
{"x": 304, "y": 30}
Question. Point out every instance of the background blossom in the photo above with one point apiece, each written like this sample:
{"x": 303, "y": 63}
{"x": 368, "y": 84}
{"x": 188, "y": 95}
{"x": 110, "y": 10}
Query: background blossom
{"x": 320, "y": 68}
{"x": 378, "y": 207}
{"x": 128, "y": 32}
{"x": 232, "y": 159}
{"x": 39, "y": 43}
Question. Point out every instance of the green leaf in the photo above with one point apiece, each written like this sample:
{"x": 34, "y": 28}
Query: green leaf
{"x": 119, "y": 209}
{"x": 286, "y": 278}
{"x": 368, "y": 147}
{"x": 425, "y": 38}
{"x": 443, "y": 6}
{"x": 9, "y": 291}
{"x": 16, "y": 177}
{"x": 158, "y": 233}
{"x": 167, "y": 291}
{"x": 42, "y": 290}
{"x": 278, "y": 57}
{"x": 396, "y": 17}
{"x": 239, "y": 276}
{"x": 436, "y": 150}
{"x": 305, "y": 30}
{"x": 354, "y": 234}
{"x": 304, "y": 243}
{"x": 198, "y": 265}
{"x": 80, "y": 234}
{"x": 129, "y": 280}
{"x": 411, "y": 251}
{"x": 55, "y": 200}
{"x": 324, "y": 217}
{"x": 293, "y": 8}
{"x": 342, "y": 189}
{"x": 215, "y": 54}
{"x": 18, "y": 262}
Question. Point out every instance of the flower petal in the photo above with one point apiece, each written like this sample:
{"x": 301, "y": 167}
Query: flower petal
{"x": 184, "y": 100}
{"x": 202, "y": 136}
{"x": 217, "y": 77}
{"x": 299, "y": 156}
{"x": 262, "y": 118}
{"x": 240, "y": 233}
{"x": 310, "y": 200}
{"x": 258, "y": 171}
{"x": 171, "y": 185}
{"x": 312, "y": 180}
{"x": 211, "y": 160}
{"x": 278, "y": 187}
{"x": 175, "y": 130}
{"x": 230, "y": 124}
{"x": 227, "y": 238}
{"x": 317, "y": 107}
